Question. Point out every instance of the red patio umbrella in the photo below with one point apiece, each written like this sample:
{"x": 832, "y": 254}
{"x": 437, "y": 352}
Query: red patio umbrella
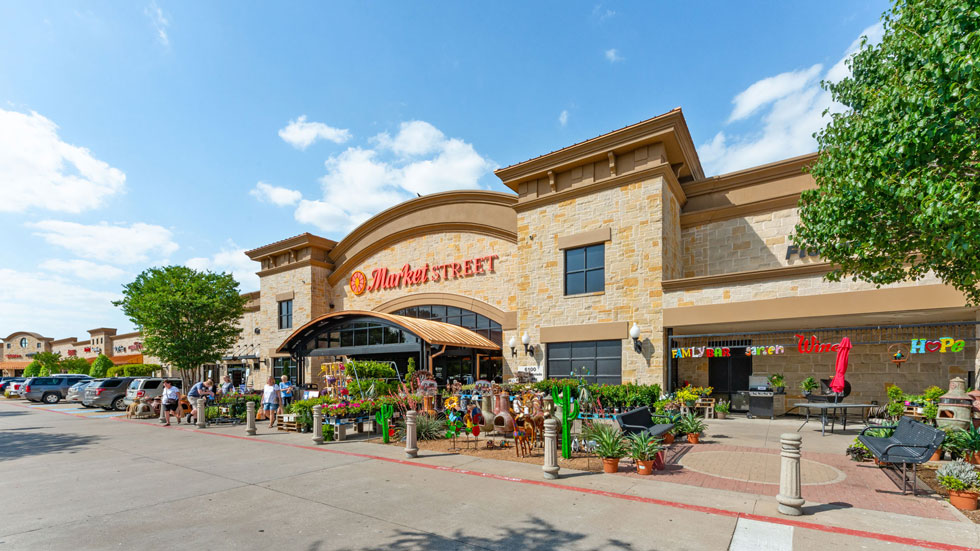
{"x": 837, "y": 384}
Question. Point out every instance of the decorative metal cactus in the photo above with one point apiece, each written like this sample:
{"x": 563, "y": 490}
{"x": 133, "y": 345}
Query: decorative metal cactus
{"x": 569, "y": 412}
{"x": 383, "y": 418}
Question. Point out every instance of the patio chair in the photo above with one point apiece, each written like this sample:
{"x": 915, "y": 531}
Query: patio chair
{"x": 640, "y": 420}
{"x": 912, "y": 443}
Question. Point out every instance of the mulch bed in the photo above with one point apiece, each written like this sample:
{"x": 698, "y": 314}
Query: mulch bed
{"x": 927, "y": 474}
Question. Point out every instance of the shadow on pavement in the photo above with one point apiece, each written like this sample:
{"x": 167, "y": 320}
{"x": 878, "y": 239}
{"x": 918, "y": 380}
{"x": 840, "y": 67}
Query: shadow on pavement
{"x": 534, "y": 534}
{"x": 24, "y": 444}
{"x": 12, "y": 413}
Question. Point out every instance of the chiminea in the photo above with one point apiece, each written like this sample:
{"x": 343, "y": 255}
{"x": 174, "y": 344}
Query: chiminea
{"x": 955, "y": 407}
{"x": 503, "y": 422}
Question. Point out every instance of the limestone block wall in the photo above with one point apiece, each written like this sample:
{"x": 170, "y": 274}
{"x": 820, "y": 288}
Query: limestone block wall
{"x": 13, "y": 351}
{"x": 297, "y": 281}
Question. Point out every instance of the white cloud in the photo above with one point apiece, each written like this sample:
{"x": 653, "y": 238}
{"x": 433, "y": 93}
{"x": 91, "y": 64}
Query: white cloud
{"x": 233, "y": 260}
{"x": 276, "y": 195}
{"x": 117, "y": 244}
{"x": 601, "y": 13}
{"x": 613, "y": 56}
{"x": 360, "y": 182}
{"x": 563, "y": 117}
{"x": 301, "y": 134}
{"x": 789, "y": 107}
{"x": 83, "y": 269}
{"x": 159, "y": 21}
{"x": 39, "y": 170}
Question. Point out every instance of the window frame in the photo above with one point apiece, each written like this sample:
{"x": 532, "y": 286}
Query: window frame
{"x": 585, "y": 270}
{"x": 285, "y": 320}
{"x": 568, "y": 349}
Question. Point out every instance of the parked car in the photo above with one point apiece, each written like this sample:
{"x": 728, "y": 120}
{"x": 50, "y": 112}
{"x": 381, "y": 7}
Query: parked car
{"x": 148, "y": 388}
{"x": 77, "y": 391}
{"x": 51, "y": 389}
{"x": 108, "y": 394}
{"x": 10, "y": 381}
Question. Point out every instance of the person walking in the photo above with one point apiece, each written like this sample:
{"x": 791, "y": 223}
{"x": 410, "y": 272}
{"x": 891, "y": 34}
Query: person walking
{"x": 170, "y": 399}
{"x": 271, "y": 400}
{"x": 227, "y": 387}
{"x": 199, "y": 390}
{"x": 286, "y": 389}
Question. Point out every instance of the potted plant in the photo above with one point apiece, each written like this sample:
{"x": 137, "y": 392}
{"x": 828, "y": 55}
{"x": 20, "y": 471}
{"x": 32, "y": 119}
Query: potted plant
{"x": 692, "y": 426}
{"x": 969, "y": 441}
{"x": 961, "y": 480}
{"x": 722, "y": 408}
{"x": 808, "y": 385}
{"x": 609, "y": 444}
{"x": 778, "y": 383}
{"x": 645, "y": 451}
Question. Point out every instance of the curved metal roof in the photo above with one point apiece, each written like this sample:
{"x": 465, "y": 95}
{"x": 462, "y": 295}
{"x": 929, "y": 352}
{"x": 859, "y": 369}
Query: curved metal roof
{"x": 432, "y": 332}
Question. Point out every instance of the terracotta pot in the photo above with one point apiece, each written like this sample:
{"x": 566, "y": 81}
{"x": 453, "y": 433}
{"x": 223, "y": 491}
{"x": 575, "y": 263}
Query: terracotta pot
{"x": 720, "y": 414}
{"x": 610, "y": 464}
{"x": 964, "y": 501}
{"x": 938, "y": 456}
{"x": 644, "y": 467}
{"x": 669, "y": 438}
{"x": 693, "y": 438}
{"x": 658, "y": 461}
{"x": 881, "y": 463}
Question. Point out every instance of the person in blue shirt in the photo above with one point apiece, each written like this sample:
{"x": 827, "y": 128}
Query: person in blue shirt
{"x": 286, "y": 389}
{"x": 199, "y": 390}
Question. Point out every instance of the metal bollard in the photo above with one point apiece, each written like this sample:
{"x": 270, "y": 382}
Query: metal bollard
{"x": 550, "y": 467}
{"x": 790, "y": 495}
{"x": 250, "y": 417}
{"x": 202, "y": 418}
{"x": 411, "y": 445}
{"x": 317, "y": 424}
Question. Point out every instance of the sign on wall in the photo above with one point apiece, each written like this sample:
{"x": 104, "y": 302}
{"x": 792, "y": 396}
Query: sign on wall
{"x": 943, "y": 345}
{"x": 812, "y": 345}
{"x": 701, "y": 352}
{"x": 382, "y": 278}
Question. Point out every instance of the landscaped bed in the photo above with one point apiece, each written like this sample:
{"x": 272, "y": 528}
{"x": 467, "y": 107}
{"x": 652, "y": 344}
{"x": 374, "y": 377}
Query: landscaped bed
{"x": 927, "y": 474}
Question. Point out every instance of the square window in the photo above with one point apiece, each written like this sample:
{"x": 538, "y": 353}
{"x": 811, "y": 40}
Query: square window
{"x": 585, "y": 270}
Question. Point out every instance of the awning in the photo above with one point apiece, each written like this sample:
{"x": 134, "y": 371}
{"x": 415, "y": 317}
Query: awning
{"x": 123, "y": 359}
{"x": 432, "y": 332}
{"x": 12, "y": 365}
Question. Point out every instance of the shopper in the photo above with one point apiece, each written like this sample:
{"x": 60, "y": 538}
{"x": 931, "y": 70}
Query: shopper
{"x": 226, "y": 386}
{"x": 170, "y": 401}
{"x": 199, "y": 390}
{"x": 287, "y": 389}
{"x": 271, "y": 400}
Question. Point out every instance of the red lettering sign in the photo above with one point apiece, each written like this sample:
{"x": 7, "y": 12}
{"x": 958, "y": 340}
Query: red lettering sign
{"x": 383, "y": 279}
{"x": 812, "y": 345}
{"x": 72, "y": 352}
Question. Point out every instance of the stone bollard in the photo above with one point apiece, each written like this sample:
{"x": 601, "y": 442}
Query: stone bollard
{"x": 250, "y": 418}
{"x": 411, "y": 445}
{"x": 340, "y": 432}
{"x": 550, "y": 467}
{"x": 790, "y": 496}
{"x": 317, "y": 424}
{"x": 202, "y": 418}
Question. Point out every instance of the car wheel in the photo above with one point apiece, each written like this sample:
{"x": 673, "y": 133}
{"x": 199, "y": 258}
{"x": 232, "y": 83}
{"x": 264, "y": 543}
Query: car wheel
{"x": 51, "y": 398}
{"x": 119, "y": 404}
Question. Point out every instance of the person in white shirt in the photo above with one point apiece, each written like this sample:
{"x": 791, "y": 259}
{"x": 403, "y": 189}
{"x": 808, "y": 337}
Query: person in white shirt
{"x": 271, "y": 400}
{"x": 170, "y": 399}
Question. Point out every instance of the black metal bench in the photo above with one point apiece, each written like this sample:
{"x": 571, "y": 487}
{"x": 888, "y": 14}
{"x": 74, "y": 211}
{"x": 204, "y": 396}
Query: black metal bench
{"x": 912, "y": 443}
{"x": 640, "y": 420}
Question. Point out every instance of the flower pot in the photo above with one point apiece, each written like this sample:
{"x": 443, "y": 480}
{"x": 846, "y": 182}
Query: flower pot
{"x": 970, "y": 457}
{"x": 964, "y": 501}
{"x": 938, "y": 456}
{"x": 610, "y": 464}
{"x": 880, "y": 463}
{"x": 644, "y": 467}
{"x": 690, "y": 403}
{"x": 669, "y": 438}
{"x": 693, "y": 438}
{"x": 658, "y": 461}
{"x": 720, "y": 414}
{"x": 779, "y": 389}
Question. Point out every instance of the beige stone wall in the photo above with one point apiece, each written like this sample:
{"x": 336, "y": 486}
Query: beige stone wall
{"x": 12, "y": 347}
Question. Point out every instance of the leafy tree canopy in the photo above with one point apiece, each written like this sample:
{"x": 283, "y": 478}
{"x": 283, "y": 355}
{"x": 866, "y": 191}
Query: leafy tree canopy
{"x": 50, "y": 363}
{"x": 33, "y": 369}
{"x": 100, "y": 366}
{"x": 75, "y": 364}
{"x": 899, "y": 173}
{"x": 188, "y": 318}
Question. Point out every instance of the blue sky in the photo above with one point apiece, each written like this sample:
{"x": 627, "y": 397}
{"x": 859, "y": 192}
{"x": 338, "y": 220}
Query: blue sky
{"x": 137, "y": 133}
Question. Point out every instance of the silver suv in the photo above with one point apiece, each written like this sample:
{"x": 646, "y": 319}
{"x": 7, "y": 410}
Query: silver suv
{"x": 51, "y": 389}
{"x": 147, "y": 389}
{"x": 77, "y": 391}
{"x": 108, "y": 394}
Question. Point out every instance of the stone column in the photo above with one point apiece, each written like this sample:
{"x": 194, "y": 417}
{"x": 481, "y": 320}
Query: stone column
{"x": 340, "y": 432}
{"x": 550, "y": 467}
{"x": 790, "y": 496}
{"x": 411, "y": 446}
{"x": 202, "y": 419}
{"x": 250, "y": 418}
{"x": 318, "y": 424}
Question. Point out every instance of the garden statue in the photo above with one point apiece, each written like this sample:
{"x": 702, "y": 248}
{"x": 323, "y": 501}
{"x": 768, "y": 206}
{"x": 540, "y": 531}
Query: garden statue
{"x": 503, "y": 421}
{"x": 568, "y": 413}
{"x": 486, "y": 413}
{"x": 383, "y": 419}
{"x": 523, "y": 436}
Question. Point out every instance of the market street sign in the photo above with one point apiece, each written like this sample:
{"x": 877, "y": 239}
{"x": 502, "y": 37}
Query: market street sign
{"x": 382, "y": 279}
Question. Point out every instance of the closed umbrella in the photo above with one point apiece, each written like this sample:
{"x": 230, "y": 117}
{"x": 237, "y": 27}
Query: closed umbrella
{"x": 837, "y": 384}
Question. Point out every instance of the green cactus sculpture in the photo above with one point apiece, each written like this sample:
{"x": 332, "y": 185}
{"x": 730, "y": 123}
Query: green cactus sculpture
{"x": 569, "y": 412}
{"x": 383, "y": 418}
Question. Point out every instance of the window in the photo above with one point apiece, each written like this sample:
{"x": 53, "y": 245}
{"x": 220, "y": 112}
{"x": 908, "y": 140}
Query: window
{"x": 585, "y": 270}
{"x": 23, "y": 342}
{"x": 284, "y": 366}
{"x": 285, "y": 314}
{"x": 598, "y": 362}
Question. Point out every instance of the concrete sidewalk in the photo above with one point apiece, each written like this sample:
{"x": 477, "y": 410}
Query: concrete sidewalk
{"x": 74, "y": 483}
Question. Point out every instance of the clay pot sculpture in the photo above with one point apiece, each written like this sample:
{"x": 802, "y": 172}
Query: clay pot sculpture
{"x": 486, "y": 407}
{"x": 503, "y": 421}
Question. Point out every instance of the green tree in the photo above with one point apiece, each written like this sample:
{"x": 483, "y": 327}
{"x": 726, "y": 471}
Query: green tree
{"x": 898, "y": 173}
{"x": 188, "y": 318}
{"x": 100, "y": 366}
{"x": 74, "y": 364}
{"x": 33, "y": 369}
{"x": 50, "y": 363}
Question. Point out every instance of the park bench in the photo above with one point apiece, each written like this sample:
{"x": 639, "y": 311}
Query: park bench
{"x": 640, "y": 420}
{"x": 912, "y": 443}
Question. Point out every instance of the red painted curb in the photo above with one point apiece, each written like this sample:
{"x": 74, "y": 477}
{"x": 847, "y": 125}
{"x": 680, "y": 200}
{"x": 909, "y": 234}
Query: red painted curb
{"x": 926, "y": 544}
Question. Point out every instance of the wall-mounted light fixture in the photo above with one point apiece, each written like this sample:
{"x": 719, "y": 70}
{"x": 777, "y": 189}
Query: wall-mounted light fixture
{"x": 513, "y": 345}
{"x": 635, "y": 335}
{"x": 257, "y": 330}
{"x": 528, "y": 347}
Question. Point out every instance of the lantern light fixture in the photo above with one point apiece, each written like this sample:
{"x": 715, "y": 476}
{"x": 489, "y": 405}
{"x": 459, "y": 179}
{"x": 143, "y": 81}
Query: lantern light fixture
{"x": 635, "y": 335}
{"x": 513, "y": 345}
{"x": 528, "y": 347}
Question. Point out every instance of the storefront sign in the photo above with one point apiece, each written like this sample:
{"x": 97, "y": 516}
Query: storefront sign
{"x": 943, "y": 345}
{"x": 72, "y": 352}
{"x": 802, "y": 253}
{"x": 812, "y": 345}
{"x": 536, "y": 372}
{"x": 88, "y": 349}
{"x": 14, "y": 356}
{"x": 136, "y": 346}
{"x": 118, "y": 348}
{"x": 382, "y": 279}
{"x": 764, "y": 350}
{"x": 700, "y": 352}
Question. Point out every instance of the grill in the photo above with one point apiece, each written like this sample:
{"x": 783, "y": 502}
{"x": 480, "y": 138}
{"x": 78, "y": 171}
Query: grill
{"x": 760, "y": 397}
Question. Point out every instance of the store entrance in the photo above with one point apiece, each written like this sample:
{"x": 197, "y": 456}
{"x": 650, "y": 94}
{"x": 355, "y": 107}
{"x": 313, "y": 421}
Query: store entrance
{"x": 729, "y": 375}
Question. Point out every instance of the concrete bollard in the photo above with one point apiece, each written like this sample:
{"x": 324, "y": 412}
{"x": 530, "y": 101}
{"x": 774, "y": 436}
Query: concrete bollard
{"x": 790, "y": 496}
{"x": 411, "y": 444}
{"x": 318, "y": 424}
{"x": 250, "y": 418}
{"x": 202, "y": 418}
{"x": 340, "y": 432}
{"x": 550, "y": 467}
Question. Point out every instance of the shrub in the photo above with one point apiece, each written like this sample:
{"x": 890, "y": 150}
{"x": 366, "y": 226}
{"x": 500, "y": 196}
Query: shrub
{"x": 895, "y": 394}
{"x": 100, "y": 366}
{"x": 33, "y": 369}
{"x": 609, "y": 441}
{"x": 370, "y": 370}
{"x": 957, "y": 476}
{"x": 363, "y": 389}
{"x": 115, "y": 371}
{"x": 74, "y": 364}
{"x": 426, "y": 427}
{"x": 933, "y": 393}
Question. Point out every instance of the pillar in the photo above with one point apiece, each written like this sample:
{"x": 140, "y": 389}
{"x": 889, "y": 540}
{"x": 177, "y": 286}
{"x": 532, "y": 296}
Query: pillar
{"x": 790, "y": 496}
{"x": 318, "y": 424}
{"x": 250, "y": 417}
{"x": 550, "y": 467}
{"x": 411, "y": 445}
{"x": 202, "y": 419}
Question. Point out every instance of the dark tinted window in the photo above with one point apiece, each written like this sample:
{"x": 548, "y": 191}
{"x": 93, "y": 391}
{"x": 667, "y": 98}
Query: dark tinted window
{"x": 597, "y": 362}
{"x": 110, "y": 383}
{"x": 585, "y": 270}
{"x": 45, "y": 381}
{"x": 151, "y": 385}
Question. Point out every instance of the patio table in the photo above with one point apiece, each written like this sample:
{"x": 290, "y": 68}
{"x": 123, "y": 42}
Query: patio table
{"x": 824, "y": 407}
